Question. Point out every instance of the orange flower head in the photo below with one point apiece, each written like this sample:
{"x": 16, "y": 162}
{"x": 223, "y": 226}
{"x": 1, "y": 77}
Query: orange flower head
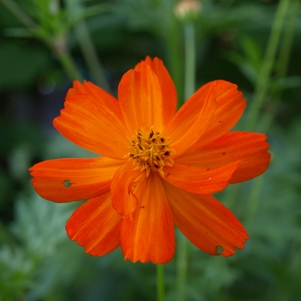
{"x": 158, "y": 168}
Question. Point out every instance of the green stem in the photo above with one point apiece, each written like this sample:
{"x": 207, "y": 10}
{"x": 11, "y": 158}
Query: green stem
{"x": 189, "y": 89}
{"x": 68, "y": 64}
{"x": 267, "y": 66}
{"x": 232, "y": 195}
{"x": 62, "y": 55}
{"x": 283, "y": 60}
{"x": 190, "y": 66}
{"x": 20, "y": 14}
{"x": 284, "y": 55}
{"x": 254, "y": 197}
{"x": 286, "y": 44}
{"x": 160, "y": 282}
{"x": 260, "y": 92}
{"x": 181, "y": 268}
{"x": 174, "y": 65}
{"x": 90, "y": 55}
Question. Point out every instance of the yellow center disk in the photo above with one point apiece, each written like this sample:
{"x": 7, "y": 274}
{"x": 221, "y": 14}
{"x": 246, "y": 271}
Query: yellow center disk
{"x": 150, "y": 151}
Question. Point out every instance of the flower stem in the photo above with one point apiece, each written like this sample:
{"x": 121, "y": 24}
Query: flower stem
{"x": 267, "y": 66}
{"x": 160, "y": 282}
{"x": 90, "y": 55}
{"x": 172, "y": 41}
{"x": 181, "y": 268}
{"x": 283, "y": 60}
{"x": 20, "y": 14}
{"x": 190, "y": 67}
{"x": 260, "y": 92}
{"x": 189, "y": 89}
{"x": 68, "y": 64}
{"x": 287, "y": 41}
{"x": 58, "y": 44}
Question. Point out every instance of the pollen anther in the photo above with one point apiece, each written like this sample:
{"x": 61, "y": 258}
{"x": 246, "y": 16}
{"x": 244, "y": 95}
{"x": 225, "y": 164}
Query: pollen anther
{"x": 150, "y": 151}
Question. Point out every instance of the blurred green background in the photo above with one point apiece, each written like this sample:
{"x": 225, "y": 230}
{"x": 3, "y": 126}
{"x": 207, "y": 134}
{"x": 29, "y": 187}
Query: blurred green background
{"x": 45, "y": 44}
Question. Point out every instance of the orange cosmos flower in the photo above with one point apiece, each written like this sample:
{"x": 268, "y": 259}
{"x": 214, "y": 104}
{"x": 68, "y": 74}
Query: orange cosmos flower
{"x": 158, "y": 168}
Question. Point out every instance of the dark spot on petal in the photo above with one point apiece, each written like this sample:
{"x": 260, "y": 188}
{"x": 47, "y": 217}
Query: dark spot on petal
{"x": 167, "y": 174}
{"x": 208, "y": 168}
{"x": 156, "y": 166}
{"x": 67, "y": 184}
{"x": 142, "y": 206}
{"x": 162, "y": 140}
{"x": 166, "y": 153}
{"x": 223, "y": 153}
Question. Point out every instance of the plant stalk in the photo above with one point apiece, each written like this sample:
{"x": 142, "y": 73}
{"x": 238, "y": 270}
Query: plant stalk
{"x": 160, "y": 282}
{"x": 260, "y": 93}
{"x": 90, "y": 55}
{"x": 189, "y": 89}
{"x": 20, "y": 14}
{"x": 268, "y": 63}
{"x": 190, "y": 60}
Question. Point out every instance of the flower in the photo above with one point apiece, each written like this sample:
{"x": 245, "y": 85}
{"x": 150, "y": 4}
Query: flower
{"x": 159, "y": 167}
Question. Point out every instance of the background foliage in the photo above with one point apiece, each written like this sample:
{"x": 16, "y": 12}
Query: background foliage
{"x": 44, "y": 44}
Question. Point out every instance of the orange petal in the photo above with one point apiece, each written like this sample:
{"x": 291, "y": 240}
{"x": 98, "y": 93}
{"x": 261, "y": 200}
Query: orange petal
{"x": 169, "y": 93}
{"x": 99, "y": 95}
{"x": 67, "y": 180}
{"x": 96, "y": 226}
{"x": 92, "y": 119}
{"x": 249, "y": 148}
{"x": 192, "y": 119}
{"x": 200, "y": 180}
{"x": 207, "y": 223}
{"x": 140, "y": 98}
{"x": 149, "y": 235}
{"x": 230, "y": 106}
{"x": 123, "y": 185}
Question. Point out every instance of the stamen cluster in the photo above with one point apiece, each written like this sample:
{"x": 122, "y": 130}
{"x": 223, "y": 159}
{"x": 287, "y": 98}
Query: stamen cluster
{"x": 150, "y": 151}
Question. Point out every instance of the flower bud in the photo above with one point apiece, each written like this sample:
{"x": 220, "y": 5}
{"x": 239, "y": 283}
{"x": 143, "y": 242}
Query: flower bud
{"x": 187, "y": 10}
